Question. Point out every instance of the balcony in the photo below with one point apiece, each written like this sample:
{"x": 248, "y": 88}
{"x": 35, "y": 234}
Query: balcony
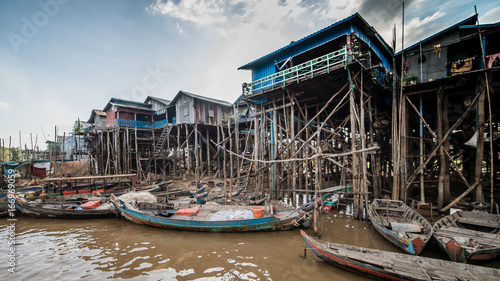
{"x": 317, "y": 66}
{"x": 141, "y": 124}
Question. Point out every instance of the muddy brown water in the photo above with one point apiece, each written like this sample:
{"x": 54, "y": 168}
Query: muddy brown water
{"x": 52, "y": 249}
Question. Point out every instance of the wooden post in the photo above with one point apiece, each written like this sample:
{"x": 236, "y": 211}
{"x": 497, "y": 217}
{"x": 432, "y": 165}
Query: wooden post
{"x": 355, "y": 163}
{"x": 300, "y": 164}
{"x": 188, "y": 149}
{"x": 362, "y": 133}
{"x": 218, "y": 153}
{"x": 274, "y": 152}
{"x": 237, "y": 144}
{"x": 137, "y": 160}
{"x": 55, "y": 149}
{"x": 446, "y": 147}
{"x": 395, "y": 135}
{"x": 294, "y": 163}
{"x": 256, "y": 130}
{"x": 224, "y": 166}
{"x": 178, "y": 151}
{"x": 208, "y": 154}
{"x": 196, "y": 153}
{"x": 316, "y": 194}
{"x": 231, "y": 167}
{"x": 480, "y": 147}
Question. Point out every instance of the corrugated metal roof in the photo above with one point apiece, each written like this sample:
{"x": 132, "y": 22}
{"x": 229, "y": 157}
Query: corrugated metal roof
{"x": 221, "y": 102}
{"x": 94, "y": 113}
{"x": 474, "y": 17}
{"x": 131, "y": 106}
{"x": 126, "y": 103}
{"x": 160, "y": 100}
{"x": 353, "y": 17}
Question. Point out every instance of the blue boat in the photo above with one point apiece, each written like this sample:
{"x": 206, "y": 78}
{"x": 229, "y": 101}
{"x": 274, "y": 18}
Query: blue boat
{"x": 213, "y": 217}
{"x": 400, "y": 224}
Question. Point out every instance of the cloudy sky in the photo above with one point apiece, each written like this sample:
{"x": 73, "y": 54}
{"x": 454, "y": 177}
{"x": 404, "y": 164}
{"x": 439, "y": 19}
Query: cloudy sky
{"x": 59, "y": 59}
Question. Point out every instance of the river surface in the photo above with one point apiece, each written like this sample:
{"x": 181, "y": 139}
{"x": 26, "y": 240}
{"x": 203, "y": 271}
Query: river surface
{"x": 52, "y": 249}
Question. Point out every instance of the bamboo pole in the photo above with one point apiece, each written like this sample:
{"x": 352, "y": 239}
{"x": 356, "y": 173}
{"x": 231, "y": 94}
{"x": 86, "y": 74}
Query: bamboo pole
{"x": 208, "y": 153}
{"x": 394, "y": 134}
{"x": 255, "y": 152}
{"x": 188, "y": 149}
{"x": 480, "y": 147}
{"x": 231, "y": 167}
{"x": 441, "y": 157}
{"x": 364, "y": 177}
{"x": 436, "y": 148}
{"x": 196, "y": 153}
{"x": 294, "y": 163}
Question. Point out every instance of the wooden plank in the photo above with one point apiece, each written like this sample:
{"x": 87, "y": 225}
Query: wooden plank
{"x": 479, "y": 222}
{"x": 89, "y": 177}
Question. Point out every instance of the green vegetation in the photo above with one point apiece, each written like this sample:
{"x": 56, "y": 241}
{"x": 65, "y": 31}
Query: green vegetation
{"x": 13, "y": 155}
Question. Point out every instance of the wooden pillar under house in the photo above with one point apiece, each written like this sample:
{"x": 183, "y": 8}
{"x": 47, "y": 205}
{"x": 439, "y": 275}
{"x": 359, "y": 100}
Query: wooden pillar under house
{"x": 208, "y": 154}
{"x": 231, "y": 166}
{"x": 355, "y": 164}
{"x": 294, "y": 163}
{"x": 480, "y": 143}
{"x": 188, "y": 150}
{"x": 218, "y": 173}
{"x": 255, "y": 152}
{"x": 196, "y": 154}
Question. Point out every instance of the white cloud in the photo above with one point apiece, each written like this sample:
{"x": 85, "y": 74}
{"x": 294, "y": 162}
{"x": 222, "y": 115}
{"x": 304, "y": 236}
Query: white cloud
{"x": 203, "y": 12}
{"x": 4, "y": 105}
{"x": 417, "y": 29}
{"x": 178, "y": 27}
{"x": 492, "y": 16}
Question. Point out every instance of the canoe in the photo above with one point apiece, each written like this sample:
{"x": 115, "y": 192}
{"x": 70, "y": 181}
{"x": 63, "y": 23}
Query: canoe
{"x": 469, "y": 236}
{"x": 64, "y": 210}
{"x": 400, "y": 224}
{"x": 212, "y": 217}
{"x": 396, "y": 266}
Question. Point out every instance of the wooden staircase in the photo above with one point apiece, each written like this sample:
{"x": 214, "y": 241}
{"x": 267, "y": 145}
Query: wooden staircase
{"x": 247, "y": 178}
{"x": 165, "y": 133}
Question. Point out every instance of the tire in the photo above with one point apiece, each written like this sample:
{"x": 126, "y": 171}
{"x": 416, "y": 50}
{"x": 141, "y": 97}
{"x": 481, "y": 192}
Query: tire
{"x": 480, "y": 205}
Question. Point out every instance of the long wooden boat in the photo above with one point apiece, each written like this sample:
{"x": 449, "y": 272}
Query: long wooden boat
{"x": 64, "y": 210}
{"x": 400, "y": 224}
{"x": 469, "y": 236}
{"x": 213, "y": 217}
{"x": 396, "y": 266}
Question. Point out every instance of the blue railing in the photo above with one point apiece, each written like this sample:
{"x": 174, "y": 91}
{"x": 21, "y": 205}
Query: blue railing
{"x": 309, "y": 69}
{"x": 141, "y": 124}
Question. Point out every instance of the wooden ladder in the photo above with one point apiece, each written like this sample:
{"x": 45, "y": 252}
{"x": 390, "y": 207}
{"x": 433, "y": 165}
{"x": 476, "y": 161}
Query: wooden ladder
{"x": 163, "y": 137}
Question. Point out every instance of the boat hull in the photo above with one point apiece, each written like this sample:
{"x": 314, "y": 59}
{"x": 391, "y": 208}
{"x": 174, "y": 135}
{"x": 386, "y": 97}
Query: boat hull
{"x": 396, "y": 266}
{"x": 39, "y": 212}
{"x": 412, "y": 243}
{"x": 469, "y": 245}
{"x": 244, "y": 225}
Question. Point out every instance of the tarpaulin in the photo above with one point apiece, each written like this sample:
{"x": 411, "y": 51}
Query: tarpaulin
{"x": 72, "y": 168}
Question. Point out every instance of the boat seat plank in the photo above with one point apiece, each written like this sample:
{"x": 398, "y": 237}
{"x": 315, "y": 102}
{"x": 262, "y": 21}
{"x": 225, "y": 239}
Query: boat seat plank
{"x": 480, "y": 237}
{"x": 479, "y": 222}
{"x": 381, "y": 210}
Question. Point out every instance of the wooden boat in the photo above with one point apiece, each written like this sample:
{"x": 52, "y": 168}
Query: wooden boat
{"x": 400, "y": 224}
{"x": 212, "y": 217}
{"x": 64, "y": 210}
{"x": 469, "y": 236}
{"x": 396, "y": 266}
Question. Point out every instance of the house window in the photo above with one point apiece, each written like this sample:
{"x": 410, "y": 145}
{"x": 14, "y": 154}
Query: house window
{"x": 210, "y": 113}
{"x": 186, "y": 111}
